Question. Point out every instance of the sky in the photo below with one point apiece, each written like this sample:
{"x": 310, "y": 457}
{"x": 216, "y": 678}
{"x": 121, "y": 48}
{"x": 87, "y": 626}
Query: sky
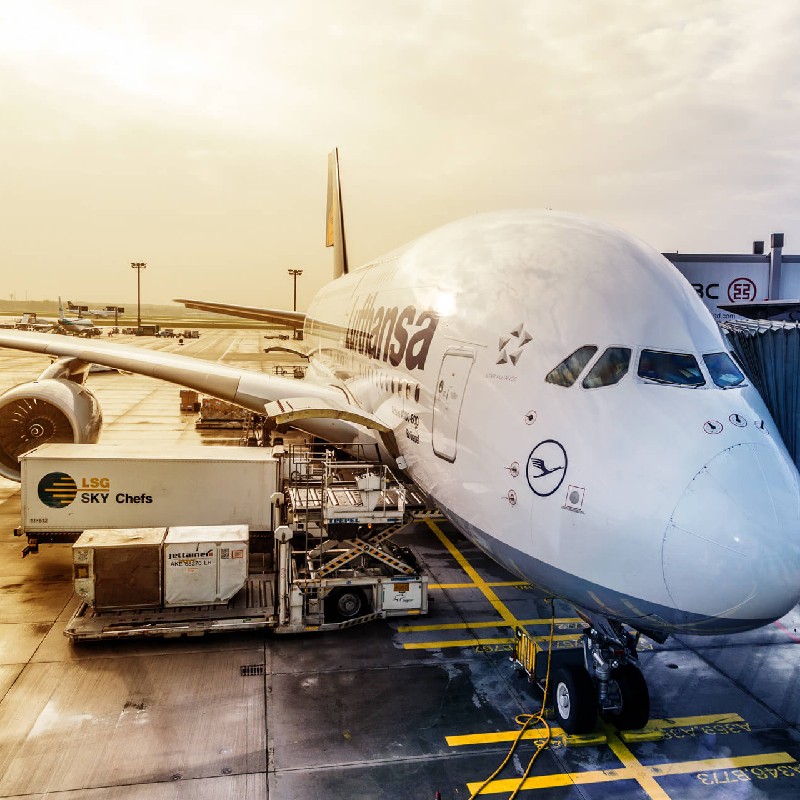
{"x": 193, "y": 136}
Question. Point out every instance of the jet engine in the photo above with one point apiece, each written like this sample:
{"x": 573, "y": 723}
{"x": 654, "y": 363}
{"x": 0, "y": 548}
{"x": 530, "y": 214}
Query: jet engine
{"x": 46, "y": 410}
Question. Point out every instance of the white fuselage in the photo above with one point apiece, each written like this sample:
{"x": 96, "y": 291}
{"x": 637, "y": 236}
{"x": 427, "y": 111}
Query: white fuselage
{"x": 636, "y": 500}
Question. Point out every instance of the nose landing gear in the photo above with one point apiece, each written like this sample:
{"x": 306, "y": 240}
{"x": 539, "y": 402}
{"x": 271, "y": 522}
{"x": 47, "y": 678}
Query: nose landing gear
{"x": 602, "y": 677}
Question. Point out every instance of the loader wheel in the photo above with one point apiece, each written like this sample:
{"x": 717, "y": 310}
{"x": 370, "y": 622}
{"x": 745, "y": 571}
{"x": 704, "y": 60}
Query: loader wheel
{"x": 345, "y": 603}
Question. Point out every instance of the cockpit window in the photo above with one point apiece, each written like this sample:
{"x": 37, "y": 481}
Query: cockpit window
{"x": 567, "y": 372}
{"x": 677, "y": 369}
{"x": 722, "y": 370}
{"x": 609, "y": 368}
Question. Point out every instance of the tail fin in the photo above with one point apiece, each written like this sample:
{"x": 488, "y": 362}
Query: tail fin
{"x": 334, "y": 228}
{"x": 60, "y": 308}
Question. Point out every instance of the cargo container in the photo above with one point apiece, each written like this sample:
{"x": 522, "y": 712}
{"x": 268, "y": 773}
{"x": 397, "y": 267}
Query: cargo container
{"x": 204, "y": 564}
{"x": 70, "y": 488}
{"x": 115, "y": 569}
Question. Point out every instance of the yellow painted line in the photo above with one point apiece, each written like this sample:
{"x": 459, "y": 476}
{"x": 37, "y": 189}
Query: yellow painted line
{"x": 643, "y": 735}
{"x": 689, "y": 722}
{"x": 451, "y": 626}
{"x": 520, "y": 584}
{"x": 501, "y": 736}
{"x": 473, "y": 575}
{"x": 551, "y": 781}
{"x": 441, "y": 645}
{"x": 656, "y": 724}
{"x": 711, "y": 764}
{"x": 456, "y": 626}
{"x": 644, "y": 775}
{"x": 454, "y": 643}
{"x": 639, "y": 773}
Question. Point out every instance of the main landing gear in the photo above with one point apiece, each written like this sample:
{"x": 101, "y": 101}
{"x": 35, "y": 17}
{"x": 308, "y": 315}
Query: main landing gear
{"x": 603, "y": 677}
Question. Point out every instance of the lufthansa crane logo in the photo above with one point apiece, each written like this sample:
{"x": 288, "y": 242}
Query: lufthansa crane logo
{"x": 547, "y": 467}
{"x": 57, "y": 489}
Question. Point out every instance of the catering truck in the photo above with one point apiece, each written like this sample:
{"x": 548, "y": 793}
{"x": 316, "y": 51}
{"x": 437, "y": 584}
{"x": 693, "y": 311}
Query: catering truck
{"x": 307, "y": 534}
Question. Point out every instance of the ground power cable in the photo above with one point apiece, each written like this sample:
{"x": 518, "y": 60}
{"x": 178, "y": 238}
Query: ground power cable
{"x": 526, "y": 720}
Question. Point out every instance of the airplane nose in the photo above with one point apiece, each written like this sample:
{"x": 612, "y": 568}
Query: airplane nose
{"x": 732, "y": 546}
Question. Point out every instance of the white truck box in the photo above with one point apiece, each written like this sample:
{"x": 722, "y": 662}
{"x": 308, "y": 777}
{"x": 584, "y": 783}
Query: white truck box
{"x": 75, "y": 487}
{"x": 204, "y": 565}
{"x": 114, "y": 569}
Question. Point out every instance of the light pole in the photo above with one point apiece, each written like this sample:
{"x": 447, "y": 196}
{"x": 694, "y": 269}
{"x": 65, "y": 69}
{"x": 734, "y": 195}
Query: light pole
{"x": 294, "y": 273}
{"x": 138, "y": 266}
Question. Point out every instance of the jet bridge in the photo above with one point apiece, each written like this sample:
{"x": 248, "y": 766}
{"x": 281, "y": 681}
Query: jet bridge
{"x": 770, "y": 353}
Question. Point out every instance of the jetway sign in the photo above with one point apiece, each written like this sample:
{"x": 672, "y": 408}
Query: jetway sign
{"x": 720, "y": 283}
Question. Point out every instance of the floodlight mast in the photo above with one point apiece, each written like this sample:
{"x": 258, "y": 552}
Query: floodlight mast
{"x": 138, "y": 266}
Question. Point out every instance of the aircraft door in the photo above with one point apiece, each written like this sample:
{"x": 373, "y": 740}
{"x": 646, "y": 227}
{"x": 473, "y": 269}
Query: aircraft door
{"x": 453, "y": 376}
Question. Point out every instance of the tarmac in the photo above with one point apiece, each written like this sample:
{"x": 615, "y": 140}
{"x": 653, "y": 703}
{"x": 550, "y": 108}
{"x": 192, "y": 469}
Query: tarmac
{"x": 398, "y": 709}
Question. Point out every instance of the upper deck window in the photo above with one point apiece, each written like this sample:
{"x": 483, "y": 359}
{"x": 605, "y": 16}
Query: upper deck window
{"x": 676, "y": 369}
{"x": 567, "y": 372}
{"x": 722, "y": 369}
{"x": 609, "y": 368}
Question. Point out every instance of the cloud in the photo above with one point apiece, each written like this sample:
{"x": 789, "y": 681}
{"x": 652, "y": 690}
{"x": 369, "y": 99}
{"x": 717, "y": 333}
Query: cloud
{"x": 143, "y": 122}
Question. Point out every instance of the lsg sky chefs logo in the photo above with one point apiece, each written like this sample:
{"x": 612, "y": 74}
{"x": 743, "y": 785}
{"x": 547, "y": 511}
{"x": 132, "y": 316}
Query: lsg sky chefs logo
{"x": 57, "y": 489}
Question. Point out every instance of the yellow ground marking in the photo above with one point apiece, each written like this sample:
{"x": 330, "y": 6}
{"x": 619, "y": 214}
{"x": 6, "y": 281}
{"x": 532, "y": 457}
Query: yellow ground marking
{"x": 494, "y": 584}
{"x": 473, "y": 642}
{"x": 473, "y": 575}
{"x": 657, "y": 724}
{"x": 455, "y": 643}
{"x": 632, "y": 769}
{"x": 627, "y": 773}
{"x": 456, "y": 626}
{"x": 689, "y": 722}
{"x": 641, "y": 774}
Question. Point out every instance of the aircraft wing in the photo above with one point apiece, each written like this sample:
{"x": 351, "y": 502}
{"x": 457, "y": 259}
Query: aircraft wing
{"x": 295, "y": 318}
{"x": 251, "y": 390}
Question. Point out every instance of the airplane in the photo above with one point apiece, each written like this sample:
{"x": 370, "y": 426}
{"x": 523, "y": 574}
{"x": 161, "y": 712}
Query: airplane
{"x": 563, "y": 397}
{"x": 29, "y": 321}
{"x": 75, "y": 325}
{"x": 102, "y": 313}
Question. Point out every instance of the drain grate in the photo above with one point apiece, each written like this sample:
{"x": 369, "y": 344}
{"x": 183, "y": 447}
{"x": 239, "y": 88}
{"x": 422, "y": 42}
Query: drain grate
{"x": 248, "y": 670}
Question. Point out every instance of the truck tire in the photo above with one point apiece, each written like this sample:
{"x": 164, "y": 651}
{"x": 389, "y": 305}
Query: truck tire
{"x": 345, "y": 603}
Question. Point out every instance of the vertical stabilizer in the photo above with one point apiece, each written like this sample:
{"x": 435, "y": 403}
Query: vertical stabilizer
{"x": 334, "y": 228}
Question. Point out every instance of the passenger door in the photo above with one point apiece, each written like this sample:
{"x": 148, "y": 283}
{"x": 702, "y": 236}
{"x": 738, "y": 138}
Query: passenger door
{"x": 453, "y": 376}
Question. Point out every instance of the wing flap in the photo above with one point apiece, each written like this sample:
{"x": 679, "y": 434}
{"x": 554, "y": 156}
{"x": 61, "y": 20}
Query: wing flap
{"x": 294, "y": 410}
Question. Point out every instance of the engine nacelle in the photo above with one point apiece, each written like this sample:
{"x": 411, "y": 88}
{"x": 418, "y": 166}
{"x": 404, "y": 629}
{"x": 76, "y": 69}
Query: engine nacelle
{"x": 47, "y": 410}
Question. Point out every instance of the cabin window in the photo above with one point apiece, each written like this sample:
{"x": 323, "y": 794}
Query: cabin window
{"x": 722, "y": 370}
{"x": 416, "y": 393}
{"x": 676, "y": 369}
{"x": 609, "y": 368}
{"x": 567, "y": 372}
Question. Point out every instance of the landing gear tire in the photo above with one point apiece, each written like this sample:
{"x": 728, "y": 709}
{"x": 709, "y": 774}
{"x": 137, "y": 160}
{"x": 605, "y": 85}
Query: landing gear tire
{"x": 345, "y": 603}
{"x": 575, "y": 700}
{"x": 628, "y": 685}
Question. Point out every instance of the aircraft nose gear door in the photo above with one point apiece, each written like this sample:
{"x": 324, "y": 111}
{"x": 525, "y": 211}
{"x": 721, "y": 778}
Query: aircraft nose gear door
{"x": 453, "y": 377}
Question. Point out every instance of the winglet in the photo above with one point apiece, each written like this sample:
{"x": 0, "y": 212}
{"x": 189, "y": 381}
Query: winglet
{"x": 334, "y": 228}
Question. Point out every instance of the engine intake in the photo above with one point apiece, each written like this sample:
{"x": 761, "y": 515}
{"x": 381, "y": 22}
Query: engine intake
{"x": 43, "y": 411}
